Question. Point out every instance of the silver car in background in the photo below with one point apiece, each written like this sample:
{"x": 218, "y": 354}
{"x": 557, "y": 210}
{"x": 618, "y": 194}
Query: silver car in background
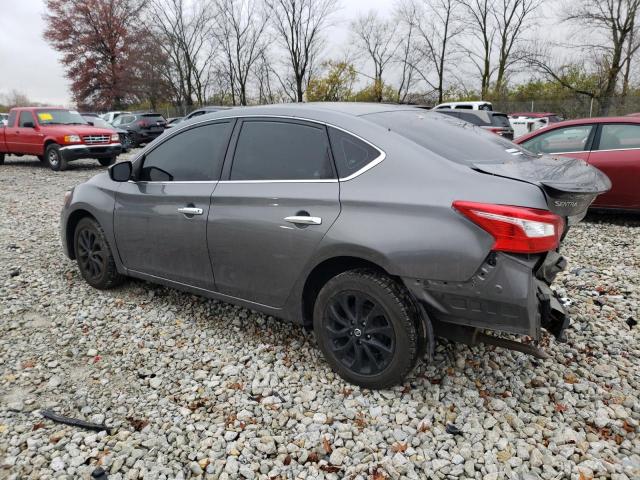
{"x": 379, "y": 226}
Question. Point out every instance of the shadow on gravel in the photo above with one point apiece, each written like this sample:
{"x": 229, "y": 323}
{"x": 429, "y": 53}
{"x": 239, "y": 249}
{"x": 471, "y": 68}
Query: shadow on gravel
{"x": 627, "y": 219}
{"x": 34, "y": 163}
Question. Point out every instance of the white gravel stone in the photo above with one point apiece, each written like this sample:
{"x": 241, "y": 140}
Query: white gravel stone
{"x": 197, "y": 388}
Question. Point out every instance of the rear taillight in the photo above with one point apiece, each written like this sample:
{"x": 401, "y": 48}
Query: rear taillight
{"x": 142, "y": 123}
{"x": 515, "y": 229}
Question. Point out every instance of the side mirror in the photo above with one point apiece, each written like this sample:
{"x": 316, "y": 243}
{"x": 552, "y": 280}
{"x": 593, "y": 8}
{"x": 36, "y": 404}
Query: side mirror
{"x": 121, "y": 172}
{"x": 28, "y": 125}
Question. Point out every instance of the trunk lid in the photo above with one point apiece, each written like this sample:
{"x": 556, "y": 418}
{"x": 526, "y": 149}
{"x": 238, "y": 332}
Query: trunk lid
{"x": 569, "y": 184}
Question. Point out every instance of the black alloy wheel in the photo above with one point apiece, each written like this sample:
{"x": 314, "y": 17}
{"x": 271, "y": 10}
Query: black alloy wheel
{"x": 362, "y": 337}
{"x": 93, "y": 254}
{"x": 367, "y": 327}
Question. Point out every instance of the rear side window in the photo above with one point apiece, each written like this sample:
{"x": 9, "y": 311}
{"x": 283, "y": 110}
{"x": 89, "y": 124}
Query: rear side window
{"x": 25, "y": 117}
{"x": 193, "y": 155}
{"x": 619, "y": 136}
{"x": 273, "y": 150}
{"x": 350, "y": 153}
{"x": 12, "y": 119}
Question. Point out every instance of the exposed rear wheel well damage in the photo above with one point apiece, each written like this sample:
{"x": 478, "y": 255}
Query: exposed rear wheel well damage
{"x": 72, "y": 223}
{"x": 322, "y": 273}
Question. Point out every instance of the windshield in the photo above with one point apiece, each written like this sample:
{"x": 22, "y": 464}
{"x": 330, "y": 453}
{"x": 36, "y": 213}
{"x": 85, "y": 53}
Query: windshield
{"x": 98, "y": 122}
{"x": 59, "y": 117}
{"x": 448, "y": 137}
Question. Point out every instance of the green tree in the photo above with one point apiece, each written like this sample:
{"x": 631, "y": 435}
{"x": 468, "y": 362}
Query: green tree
{"x": 335, "y": 86}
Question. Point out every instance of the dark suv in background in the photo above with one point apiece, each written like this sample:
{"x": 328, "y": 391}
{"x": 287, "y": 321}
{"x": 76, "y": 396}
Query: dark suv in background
{"x": 495, "y": 122}
{"x": 142, "y": 127}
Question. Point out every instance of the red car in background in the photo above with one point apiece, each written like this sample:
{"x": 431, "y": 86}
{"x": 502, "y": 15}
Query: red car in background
{"x": 56, "y": 136}
{"x": 610, "y": 143}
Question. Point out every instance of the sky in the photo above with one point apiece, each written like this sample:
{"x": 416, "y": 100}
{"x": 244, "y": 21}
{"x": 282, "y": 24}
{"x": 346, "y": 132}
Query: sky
{"x": 29, "y": 65}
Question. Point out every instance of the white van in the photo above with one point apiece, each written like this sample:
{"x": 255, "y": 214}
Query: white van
{"x": 481, "y": 105}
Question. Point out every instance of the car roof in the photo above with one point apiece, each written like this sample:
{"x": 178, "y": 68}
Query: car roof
{"x": 532, "y": 114}
{"x": 579, "y": 121}
{"x": 336, "y": 112}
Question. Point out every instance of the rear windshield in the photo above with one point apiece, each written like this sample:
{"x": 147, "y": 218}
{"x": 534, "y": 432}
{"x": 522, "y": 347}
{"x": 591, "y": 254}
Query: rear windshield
{"x": 59, "y": 117}
{"x": 153, "y": 116}
{"x": 448, "y": 137}
{"x": 500, "y": 120}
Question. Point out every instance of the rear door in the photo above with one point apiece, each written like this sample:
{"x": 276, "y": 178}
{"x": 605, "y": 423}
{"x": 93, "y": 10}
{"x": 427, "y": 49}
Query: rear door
{"x": 161, "y": 218}
{"x": 616, "y": 151}
{"x": 279, "y": 197}
{"x": 23, "y": 139}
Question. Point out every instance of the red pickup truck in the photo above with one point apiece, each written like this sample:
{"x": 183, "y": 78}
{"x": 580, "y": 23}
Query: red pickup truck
{"x": 56, "y": 136}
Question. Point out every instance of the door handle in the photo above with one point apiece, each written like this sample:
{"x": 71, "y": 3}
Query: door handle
{"x": 190, "y": 210}
{"x": 304, "y": 220}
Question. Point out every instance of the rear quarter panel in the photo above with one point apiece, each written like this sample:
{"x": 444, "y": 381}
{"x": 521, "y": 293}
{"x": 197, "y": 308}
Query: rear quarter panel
{"x": 399, "y": 215}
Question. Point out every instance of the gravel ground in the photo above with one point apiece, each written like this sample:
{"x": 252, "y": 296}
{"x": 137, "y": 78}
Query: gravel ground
{"x": 194, "y": 388}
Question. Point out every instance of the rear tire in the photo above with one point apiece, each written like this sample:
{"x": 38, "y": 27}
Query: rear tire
{"x": 54, "y": 158}
{"x": 366, "y": 326}
{"x": 94, "y": 256}
{"x": 107, "y": 162}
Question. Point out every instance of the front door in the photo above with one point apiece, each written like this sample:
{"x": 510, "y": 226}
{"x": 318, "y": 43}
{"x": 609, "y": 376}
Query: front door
{"x": 161, "y": 218}
{"x": 280, "y": 197}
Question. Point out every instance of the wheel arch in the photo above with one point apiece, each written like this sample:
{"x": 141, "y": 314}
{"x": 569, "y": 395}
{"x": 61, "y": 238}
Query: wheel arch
{"x": 46, "y": 144}
{"x": 70, "y": 228}
{"x": 323, "y": 272}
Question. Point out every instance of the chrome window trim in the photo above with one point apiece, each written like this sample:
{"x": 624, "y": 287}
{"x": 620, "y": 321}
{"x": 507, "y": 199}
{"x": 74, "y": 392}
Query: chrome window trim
{"x": 368, "y": 166}
{"x": 616, "y": 149}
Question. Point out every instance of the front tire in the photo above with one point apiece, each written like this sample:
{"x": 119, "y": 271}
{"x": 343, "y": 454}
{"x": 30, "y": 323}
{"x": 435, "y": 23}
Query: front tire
{"x": 366, "y": 327}
{"x": 107, "y": 162}
{"x": 54, "y": 158}
{"x": 93, "y": 254}
{"x": 1, "y": 158}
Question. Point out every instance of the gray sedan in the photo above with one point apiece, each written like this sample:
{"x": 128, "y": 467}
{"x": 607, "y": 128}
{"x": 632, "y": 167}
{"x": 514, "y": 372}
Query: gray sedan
{"x": 381, "y": 227}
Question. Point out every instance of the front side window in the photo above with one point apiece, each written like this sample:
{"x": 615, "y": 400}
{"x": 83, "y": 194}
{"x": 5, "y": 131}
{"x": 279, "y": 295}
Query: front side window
{"x": 273, "y": 150}
{"x": 192, "y": 155}
{"x": 567, "y": 139}
{"x": 350, "y": 153}
{"x": 619, "y": 136}
{"x": 12, "y": 119}
{"x": 24, "y": 118}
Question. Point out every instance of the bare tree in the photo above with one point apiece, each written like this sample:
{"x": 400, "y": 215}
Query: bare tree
{"x": 498, "y": 26}
{"x": 376, "y": 38}
{"x": 631, "y": 48}
{"x": 605, "y": 36}
{"x": 436, "y": 24}
{"x": 299, "y": 25}
{"x": 184, "y": 32}
{"x": 240, "y": 29}
{"x": 512, "y": 18}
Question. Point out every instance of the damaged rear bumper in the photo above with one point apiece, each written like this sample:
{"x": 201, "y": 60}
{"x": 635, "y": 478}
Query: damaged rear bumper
{"x": 509, "y": 293}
